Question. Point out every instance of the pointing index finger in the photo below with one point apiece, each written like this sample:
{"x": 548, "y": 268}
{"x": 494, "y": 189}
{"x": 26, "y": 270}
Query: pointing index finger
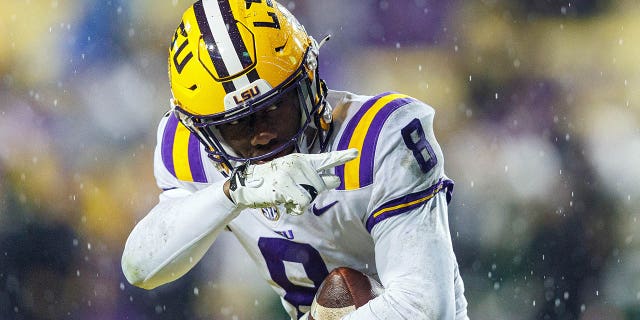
{"x": 331, "y": 159}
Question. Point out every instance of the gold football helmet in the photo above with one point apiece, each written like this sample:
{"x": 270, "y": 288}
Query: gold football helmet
{"x": 229, "y": 59}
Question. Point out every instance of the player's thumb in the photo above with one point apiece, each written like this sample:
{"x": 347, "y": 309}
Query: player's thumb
{"x": 322, "y": 161}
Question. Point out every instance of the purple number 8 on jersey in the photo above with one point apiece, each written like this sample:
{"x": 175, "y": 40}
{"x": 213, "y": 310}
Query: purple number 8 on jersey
{"x": 414, "y": 129}
{"x": 276, "y": 251}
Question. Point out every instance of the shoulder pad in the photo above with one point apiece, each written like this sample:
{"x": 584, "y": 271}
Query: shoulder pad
{"x": 362, "y": 132}
{"x": 181, "y": 152}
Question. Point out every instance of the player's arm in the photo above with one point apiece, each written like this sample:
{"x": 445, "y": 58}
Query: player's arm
{"x": 409, "y": 225}
{"x": 416, "y": 266}
{"x": 175, "y": 234}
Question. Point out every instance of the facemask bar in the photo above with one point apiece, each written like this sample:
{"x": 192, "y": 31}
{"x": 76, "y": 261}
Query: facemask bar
{"x": 307, "y": 90}
{"x": 224, "y": 151}
{"x": 220, "y": 152}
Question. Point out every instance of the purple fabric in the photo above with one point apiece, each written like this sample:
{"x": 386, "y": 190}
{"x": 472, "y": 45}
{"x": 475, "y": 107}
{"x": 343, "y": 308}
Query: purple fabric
{"x": 343, "y": 144}
{"x": 442, "y": 185}
{"x": 367, "y": 154}
{"x": 167, "y": 143}
{"x": 195, "y": 160}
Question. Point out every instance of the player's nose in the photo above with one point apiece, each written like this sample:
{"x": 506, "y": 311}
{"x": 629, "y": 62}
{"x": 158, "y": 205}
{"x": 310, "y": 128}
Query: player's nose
{"x": 263, "y": 133}
{"x": 262, "y": 138}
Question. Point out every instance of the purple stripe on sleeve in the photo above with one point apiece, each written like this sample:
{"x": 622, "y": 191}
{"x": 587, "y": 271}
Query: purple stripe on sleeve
{"x": 367, "y": 154}
{"x": 168, "y": 138}
{"x": 195, "y": 160}
{"x": 442, "y": 185}
{"x": 343, "y": 144}
{"x": 449, "y": 185}
{"x": 351, "y": 126}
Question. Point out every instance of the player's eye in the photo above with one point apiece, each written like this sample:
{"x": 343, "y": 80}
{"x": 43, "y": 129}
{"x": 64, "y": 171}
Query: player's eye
{"x": 271, "y": 107}
{"x": 242, "y": 121}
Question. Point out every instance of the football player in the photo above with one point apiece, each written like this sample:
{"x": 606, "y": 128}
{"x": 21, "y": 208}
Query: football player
{"x": 308, "y": 179}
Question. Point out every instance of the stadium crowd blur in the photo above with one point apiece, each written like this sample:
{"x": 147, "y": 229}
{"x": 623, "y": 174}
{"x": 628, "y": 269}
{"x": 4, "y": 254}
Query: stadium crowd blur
{"x": 537, "y": 110}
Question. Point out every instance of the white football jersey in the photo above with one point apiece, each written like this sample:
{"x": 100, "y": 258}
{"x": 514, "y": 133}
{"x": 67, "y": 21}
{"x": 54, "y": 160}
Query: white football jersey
{"x": 399, "y": 171}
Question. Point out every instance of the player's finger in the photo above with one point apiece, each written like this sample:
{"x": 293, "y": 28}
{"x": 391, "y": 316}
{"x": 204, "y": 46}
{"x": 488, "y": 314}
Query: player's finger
{"x": 322, "y": 161}
{"x": 331, "y": 181}
{"x": 297, "y": 200}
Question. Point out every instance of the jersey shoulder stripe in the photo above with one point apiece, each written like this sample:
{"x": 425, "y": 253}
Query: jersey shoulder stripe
{"x": 408, "y": 202}
{"x": 181, "y": 153}
{"x": 362, "y": 132}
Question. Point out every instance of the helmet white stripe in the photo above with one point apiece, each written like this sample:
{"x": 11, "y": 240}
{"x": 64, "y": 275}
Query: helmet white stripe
{"x": 225, "y": 45}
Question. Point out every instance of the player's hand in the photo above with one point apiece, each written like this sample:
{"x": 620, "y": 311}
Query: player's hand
{"x": 293, "y": 180}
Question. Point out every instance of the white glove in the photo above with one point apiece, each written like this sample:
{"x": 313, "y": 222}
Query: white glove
{"x": 293, "y": 180}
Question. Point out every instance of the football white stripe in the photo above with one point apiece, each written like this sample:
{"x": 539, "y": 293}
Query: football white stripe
{"x": 325, "y": 313}
{"x": 223, "y": 41}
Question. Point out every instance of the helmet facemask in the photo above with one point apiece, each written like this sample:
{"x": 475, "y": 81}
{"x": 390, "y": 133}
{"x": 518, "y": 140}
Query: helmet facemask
{"x": 230, "y": 60}
{"x": 304, "y": 85}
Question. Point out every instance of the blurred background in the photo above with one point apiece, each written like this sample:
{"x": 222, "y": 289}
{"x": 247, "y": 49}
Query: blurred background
{"x": 537, "y": 110}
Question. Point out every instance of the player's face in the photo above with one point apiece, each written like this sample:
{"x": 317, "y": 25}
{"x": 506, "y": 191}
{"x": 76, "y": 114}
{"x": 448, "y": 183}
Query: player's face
{"x": 265, "y": 130}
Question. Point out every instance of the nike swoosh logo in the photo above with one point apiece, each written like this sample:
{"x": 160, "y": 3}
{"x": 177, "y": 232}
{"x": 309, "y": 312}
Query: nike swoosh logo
{"x": 321, "y": 210}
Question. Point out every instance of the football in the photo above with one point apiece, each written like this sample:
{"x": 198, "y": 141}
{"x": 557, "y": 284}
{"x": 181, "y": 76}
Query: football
{"x": 343, "y": 291}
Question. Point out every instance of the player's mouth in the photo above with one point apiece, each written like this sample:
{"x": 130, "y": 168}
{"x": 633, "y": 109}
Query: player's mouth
{"x": 282, "y": 153}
